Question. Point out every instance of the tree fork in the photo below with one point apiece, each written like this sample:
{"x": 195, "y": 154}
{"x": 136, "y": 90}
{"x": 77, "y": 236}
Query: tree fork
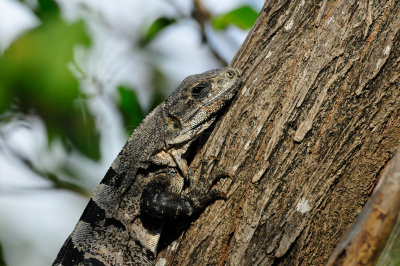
{"x": 314, "y": 124}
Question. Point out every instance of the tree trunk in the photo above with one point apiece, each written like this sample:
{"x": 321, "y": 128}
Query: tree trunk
{"x": 314, "y": 124}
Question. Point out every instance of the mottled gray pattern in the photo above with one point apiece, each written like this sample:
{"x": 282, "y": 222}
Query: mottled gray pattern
{"x": 112, "y": 230}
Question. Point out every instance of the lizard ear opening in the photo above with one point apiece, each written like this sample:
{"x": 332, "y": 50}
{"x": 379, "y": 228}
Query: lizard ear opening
{"x": 174, "y": 123}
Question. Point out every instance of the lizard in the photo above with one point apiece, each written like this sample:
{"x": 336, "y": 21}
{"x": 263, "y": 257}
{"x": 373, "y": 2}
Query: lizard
{"x": 150, "y": 180}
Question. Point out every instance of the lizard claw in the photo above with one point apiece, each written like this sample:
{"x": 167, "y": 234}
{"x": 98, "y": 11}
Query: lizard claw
{"x": 216, "y": 194}
{"x": 202, "y": 201}
{"x": 218, "y": 175}
{"x": 225, "y": 173}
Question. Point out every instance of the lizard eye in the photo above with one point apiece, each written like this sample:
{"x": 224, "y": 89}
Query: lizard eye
{"x": 200, "y": 89}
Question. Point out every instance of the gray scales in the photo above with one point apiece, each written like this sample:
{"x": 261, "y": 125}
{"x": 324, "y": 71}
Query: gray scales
{"x": 149, "y": 181}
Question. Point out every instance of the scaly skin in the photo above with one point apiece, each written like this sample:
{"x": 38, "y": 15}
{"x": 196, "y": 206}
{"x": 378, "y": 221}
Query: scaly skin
{"x": 122, "y": 222}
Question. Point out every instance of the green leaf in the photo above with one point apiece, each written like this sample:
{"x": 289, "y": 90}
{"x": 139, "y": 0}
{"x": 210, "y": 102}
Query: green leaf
{"x": 47, "y": 6}
{"x": 130, "y": 108}
{"x": 154, "y": 29}
{"x": 242, "y": 17}
{"x": 129, "y": 105}
{"x": 35, "y": 79}
{"x": 2, "y": 261}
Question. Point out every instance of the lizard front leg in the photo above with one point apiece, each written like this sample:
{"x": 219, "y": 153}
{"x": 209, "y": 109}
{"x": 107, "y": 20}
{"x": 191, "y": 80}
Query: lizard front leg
{"x": 162, "y": 197}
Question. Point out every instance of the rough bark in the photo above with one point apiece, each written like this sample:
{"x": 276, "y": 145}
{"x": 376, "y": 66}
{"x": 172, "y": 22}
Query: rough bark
{"x": 306, "y": 138}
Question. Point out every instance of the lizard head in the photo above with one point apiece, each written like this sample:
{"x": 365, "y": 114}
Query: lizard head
{"x": 193, "y": 107}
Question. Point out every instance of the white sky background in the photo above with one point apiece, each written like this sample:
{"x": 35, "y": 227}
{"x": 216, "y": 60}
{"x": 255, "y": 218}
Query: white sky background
{"x": 35, "y": 221}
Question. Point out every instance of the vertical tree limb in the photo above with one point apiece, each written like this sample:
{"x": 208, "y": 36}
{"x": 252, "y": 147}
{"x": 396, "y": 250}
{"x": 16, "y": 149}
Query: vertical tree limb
{"x": 370, "y": 232}
{"x": 315, "y": 122}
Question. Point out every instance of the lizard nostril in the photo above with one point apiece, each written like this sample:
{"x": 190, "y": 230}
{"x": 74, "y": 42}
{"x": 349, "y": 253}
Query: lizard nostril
{"x": 230, "y": 74}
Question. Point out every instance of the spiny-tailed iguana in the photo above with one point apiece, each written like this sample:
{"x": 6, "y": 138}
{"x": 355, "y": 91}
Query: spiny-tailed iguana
{"x": 122, "y": 222}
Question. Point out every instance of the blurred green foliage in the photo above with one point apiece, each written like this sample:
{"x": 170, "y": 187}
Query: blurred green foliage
{"x": 242, "y": 17}
{"x": 46, "y": 7}
{"x": 130, "y": 108}
{"x": 156, "y": 27}
{"x": 35, "y": 79}
{"x": 129, "y": 105}
{"x": 158, "y": 80}
{"x": 2, "y": 261}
